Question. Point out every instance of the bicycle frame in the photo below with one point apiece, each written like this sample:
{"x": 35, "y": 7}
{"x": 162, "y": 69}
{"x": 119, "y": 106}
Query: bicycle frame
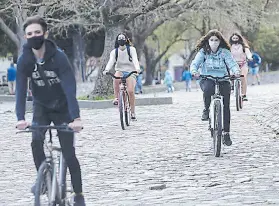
{"x": 122, "y": 86}
{"x": 216, "y": 97}
{"x": 56, "y": 164}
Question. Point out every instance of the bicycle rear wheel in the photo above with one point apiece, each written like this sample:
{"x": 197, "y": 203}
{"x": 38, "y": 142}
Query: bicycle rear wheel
{"x": 43, "y": 185}
{"x": 127, "y": 110}
{"x": 122, "y": 109}
{"x": 217, "y": 133}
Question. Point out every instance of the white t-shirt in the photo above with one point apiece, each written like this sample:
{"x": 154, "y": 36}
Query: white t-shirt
{"x": 238, "y": 54}
{"x": 123, "y": 64}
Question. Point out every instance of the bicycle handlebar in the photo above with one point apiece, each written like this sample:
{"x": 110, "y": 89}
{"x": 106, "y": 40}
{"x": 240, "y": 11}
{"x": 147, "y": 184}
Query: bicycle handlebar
{"x": 112, "y": 75}
{"x": 219, "y": 78}
{"x": 63, "y": 127}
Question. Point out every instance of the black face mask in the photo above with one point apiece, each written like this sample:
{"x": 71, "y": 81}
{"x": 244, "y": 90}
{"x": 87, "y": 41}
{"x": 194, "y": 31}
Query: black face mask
{"x": 36, "y": 42}
{"x": 121, "y": 42}
{"x": 235, "y": 42}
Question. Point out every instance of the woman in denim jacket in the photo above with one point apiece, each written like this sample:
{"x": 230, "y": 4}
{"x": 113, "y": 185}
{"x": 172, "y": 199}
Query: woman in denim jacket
{"x": 214, "y": 58}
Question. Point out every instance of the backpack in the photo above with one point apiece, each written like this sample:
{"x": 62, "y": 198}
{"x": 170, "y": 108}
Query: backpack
{"x": 128, "y": 50}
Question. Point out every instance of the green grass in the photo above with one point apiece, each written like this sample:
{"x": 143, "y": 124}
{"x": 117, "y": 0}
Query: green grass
{"x": 98, "y": 98}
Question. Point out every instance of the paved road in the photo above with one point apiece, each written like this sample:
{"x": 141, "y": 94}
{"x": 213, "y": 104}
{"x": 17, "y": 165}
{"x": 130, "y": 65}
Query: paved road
{"x": 167, "y": 145}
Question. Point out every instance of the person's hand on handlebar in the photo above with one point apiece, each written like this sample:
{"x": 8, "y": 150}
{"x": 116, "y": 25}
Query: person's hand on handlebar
{"x": 22, "y": 125}
{"x": 196, "y": 75}
{"x": 76, "y": 125}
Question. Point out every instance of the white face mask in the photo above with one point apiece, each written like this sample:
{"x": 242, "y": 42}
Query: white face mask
{"x": 214, "y": 43}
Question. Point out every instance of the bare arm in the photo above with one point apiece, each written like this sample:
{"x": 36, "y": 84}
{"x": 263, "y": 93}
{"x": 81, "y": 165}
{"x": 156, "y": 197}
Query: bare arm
{"x": 248, "y": 53}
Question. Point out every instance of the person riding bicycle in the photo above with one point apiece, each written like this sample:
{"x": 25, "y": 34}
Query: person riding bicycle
{"x": 54, "y": 96}
{"x": 215, "y": 59}
{"x": 241, "y": 52}
{"x": 126, "y": 59}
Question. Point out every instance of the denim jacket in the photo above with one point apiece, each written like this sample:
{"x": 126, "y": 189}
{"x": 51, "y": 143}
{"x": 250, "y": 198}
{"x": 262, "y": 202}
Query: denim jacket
{"x": 215, "y": 64}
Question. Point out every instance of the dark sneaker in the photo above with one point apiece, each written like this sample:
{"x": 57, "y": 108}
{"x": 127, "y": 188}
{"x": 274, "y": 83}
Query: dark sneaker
{"x": 133, "y": 117}
{"x": 259, "y": 83}
{"x": 79, "y": 200}
{"x": 205, "y": 115}
{"x": 227, "y": 139}
{"x": 244, "y": 98}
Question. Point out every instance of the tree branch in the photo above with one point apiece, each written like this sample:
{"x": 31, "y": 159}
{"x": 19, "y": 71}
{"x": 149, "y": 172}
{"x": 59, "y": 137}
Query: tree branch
{"x": 9, "y": 32}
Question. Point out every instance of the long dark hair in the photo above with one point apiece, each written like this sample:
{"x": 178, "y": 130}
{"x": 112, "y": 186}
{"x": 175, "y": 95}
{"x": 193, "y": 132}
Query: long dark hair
{"x": 242, "y": 40}
{"x": 127, "y": 43}
{"x": 203, "y": 42}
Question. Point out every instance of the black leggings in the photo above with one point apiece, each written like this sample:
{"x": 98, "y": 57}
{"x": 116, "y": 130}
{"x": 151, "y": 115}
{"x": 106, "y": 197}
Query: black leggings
{"x": 44, "y": 116}
{"x": 208, "y": 88}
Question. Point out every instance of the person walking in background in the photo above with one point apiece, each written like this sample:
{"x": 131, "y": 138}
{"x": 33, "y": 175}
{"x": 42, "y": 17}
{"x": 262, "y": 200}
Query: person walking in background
{"x": 254, "y": 66}
{"x": 187, "y": 77}
{"x": 11, "y": 78}
{"x": 139, "y": 81}
{"x": 168, "y": 81}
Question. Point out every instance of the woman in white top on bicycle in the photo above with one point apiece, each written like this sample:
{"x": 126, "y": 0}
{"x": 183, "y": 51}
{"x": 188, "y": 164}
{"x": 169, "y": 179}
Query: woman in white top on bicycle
{"x": 126, "y": 59}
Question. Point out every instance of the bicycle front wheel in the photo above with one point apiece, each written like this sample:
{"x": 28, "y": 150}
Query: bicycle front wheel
{"x": 217, "y": 133}
{"x": 238, "y": 97}
{"x": 122, "y": 109}
{"x": 43, "y": 185}
{"x": 127, "y": 110}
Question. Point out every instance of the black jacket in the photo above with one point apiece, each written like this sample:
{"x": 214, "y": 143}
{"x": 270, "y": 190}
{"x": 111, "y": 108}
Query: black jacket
{"x": 53, "y": 83}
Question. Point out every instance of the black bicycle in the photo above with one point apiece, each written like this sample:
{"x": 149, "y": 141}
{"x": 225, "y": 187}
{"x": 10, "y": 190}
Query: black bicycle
{"x": 216, "y": 113}
{"x": 51, "y": 177}
{"x": 124, "y": 100}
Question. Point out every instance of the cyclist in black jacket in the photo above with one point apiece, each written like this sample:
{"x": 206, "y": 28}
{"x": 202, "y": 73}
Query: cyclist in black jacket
{"x": 54, "y": 96}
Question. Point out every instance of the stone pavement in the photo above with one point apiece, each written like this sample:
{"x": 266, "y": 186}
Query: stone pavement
{"x": 168, "y": 147}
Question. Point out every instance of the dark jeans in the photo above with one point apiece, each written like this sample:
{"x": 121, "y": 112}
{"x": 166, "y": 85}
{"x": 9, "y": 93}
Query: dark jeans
{"x": 208, "y": 88}
{"x": 44, "y": 116}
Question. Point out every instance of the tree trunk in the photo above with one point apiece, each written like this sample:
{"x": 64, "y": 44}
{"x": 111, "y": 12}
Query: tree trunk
{"x": 78, "y": 55}
{"x": 139, "y": 45}
{"x": 150, "y": 68}
{"x": 103, "y": 85}
{"x": 190, "y": 58}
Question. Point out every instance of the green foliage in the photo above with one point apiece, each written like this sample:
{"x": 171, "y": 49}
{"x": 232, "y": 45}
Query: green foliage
{"x": 97, "y": 98}
{"x": 266, "y": 44}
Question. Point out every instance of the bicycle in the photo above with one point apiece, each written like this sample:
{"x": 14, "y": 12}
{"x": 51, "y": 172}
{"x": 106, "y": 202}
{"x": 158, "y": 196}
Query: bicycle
{"x": 51, "y": 176}
{"x": 238, "y": 93}
{"x": 124, "y": 100}
{"x": 216, "y": 113}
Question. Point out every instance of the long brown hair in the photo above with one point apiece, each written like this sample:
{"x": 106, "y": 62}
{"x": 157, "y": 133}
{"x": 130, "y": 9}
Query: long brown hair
{"x": 203, "y": 42}
{"x": 242, "y": 40}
